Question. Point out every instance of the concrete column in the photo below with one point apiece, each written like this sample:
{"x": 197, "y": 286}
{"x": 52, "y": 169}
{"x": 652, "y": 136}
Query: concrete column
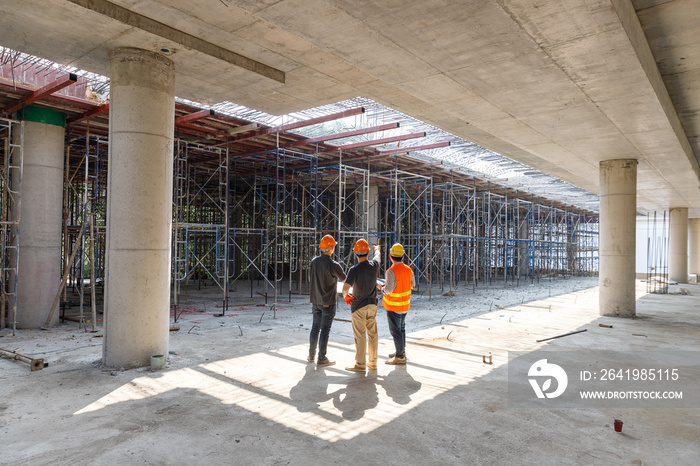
{"x": 41, "y": 216}
{"x": 139, "y": 207}
{"x": 373, "y": 214}
{"x": 694, "y": 246}
{"x": 522, "y": 248}
{"x": 618, "y": 211}
{"x": 678, "y": 245}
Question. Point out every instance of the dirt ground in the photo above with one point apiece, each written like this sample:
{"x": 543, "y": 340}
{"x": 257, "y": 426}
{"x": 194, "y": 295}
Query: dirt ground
{"x": 236, "y": 389}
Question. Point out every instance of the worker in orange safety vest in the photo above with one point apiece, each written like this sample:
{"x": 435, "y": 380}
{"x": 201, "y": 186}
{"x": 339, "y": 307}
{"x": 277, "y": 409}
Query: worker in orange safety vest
{"x": 397, "y": 300}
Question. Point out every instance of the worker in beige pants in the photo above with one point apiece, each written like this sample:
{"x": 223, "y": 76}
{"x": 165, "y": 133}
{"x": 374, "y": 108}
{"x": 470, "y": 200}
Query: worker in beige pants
{"x": 362, "y": 277}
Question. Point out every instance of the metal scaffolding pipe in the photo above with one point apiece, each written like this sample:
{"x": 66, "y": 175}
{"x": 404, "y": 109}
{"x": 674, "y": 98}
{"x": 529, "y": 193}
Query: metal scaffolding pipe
{"x": 34, "y": 363}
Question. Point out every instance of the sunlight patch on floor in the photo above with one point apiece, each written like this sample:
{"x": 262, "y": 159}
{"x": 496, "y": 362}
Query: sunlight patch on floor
{"x": 333, "y": 404}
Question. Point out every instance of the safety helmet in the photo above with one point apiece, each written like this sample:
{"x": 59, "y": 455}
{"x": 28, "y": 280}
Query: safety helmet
{"x": 361, "y": 247}
{"x": 396, "y": 250}
{"x": 327, "y": 242}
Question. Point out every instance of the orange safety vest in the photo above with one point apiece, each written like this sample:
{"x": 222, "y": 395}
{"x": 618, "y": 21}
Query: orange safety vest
{"x": 399, "y": 300}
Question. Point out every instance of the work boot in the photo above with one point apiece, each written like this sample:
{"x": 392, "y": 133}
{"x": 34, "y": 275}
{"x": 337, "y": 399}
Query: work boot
{"x": 357, "y": 368}
{"x": 396, "y": 361}
{"x": 372, "y": 366}
{"x": 393, "y": 355}
{"x": 311, "y": 357}
{"x": 324, "y": 362}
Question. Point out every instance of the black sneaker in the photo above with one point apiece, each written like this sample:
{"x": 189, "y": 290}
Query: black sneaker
{"x": 324, "y": 362}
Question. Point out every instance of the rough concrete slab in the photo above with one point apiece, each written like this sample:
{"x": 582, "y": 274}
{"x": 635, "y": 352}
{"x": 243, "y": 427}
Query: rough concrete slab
{"x": 237, "y": 389}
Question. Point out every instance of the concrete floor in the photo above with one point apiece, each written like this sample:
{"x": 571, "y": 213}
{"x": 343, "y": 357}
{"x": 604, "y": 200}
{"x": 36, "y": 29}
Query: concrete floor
{"x": 237, "y": 389}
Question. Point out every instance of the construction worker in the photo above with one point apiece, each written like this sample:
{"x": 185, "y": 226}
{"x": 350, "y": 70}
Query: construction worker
{"x": 362, "y": 277}
{"x": 324, "y": 275}
{"x": 397, "y": 300}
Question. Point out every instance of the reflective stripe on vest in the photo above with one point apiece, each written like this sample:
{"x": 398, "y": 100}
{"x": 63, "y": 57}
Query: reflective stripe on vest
{"x": 399, "y": 300}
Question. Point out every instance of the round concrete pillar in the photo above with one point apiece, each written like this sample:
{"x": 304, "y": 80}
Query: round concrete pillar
{"x": 694, "y": 246}
{"x": 678, "y": 245}
{"x": 139, "y": 207}
{"x": 39, "y": 272}
{"x": 523, "y": 249}
{"x": 618, "y": 211}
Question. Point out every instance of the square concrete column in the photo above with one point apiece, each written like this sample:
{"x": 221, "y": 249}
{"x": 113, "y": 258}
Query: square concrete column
{"x": 618, "y": 211}
{"x": 139, "y": 207}
{"x": 39, "y": 272}
{"x": 678, "y": 245}
{"x": 694, "y": 246}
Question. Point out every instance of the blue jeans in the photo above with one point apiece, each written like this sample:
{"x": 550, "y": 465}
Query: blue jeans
{"x": 397, "y": 327}
{"x": 323, "y": 319}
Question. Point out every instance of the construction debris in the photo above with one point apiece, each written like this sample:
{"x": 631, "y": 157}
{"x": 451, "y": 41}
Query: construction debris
{"x": 34, "y": 364}
{"x": 564, "y": 335}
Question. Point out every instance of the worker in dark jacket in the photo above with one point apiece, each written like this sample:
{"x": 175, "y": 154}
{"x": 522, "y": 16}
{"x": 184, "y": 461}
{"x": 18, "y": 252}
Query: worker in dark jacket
{"x": 324, "y": 274}
{"x": 362, "y": 277}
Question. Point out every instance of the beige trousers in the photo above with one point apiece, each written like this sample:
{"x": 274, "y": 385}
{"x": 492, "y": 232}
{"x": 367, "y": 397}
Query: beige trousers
{"x": 364, "y": 322}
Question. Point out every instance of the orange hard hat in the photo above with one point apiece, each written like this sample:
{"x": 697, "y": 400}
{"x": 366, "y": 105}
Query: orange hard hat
{"x": 327, "y": 242}
{"x": 361, "y": 247}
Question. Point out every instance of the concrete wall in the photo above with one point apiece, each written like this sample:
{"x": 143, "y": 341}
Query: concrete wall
{"x": 651, "y": 234}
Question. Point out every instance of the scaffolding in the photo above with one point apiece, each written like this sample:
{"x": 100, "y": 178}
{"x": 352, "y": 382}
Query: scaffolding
{"x": 84, "y": 223}
{"x": 250, "y": 205}
{"x": 200, "y": 244}
{"x": 12, "y": 149}
{"x": 658, "y": 230}
{"x": 255, "y": 219}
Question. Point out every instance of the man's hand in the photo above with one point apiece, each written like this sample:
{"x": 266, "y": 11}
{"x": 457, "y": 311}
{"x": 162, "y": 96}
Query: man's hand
{"x": 348, "y": 299}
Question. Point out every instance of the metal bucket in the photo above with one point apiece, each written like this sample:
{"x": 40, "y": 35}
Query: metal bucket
{"x": 157, "y": 362}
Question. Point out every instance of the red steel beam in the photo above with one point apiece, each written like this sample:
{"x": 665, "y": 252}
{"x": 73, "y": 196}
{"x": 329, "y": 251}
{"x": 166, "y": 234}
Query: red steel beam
{"x": 64, "y": 81}
{"x": 330, "y": 137}
{"x": 437, "y": 145}
{"x": 301, "y": 124}
{"x": 194, "y": 116}
{"x": 89, "y": 114}
{"x": 67, "y": 102}
{"x": 193, "y": 131}
{"x": 357, "y": 132}
{"x": 220, "y": 135}
{"x": 381, "y": 154}
{"x": 377, "y": 142}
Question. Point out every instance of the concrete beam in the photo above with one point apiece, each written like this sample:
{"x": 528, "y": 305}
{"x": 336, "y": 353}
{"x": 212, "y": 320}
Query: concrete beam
{"x": 147, "y": 24}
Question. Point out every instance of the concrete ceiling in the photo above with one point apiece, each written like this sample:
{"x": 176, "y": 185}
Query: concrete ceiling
{"x": 557, "y": 85}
